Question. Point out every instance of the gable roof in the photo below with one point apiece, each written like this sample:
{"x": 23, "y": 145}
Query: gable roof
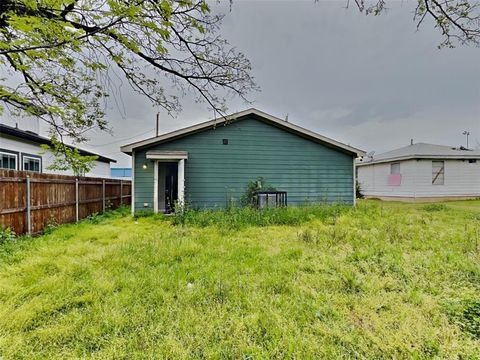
{"x": 33, "y": 137}
{"x": 211, "y": 124}
{"x": 422, "y": 151}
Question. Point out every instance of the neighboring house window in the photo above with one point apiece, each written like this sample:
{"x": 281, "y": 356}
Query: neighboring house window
{"x": 438, "y": 172}
{"x": 395, "y": 168}
{"x": 32, "y": 163}
{"x": 8, "y": 161}
{"x": 395, "y": 178}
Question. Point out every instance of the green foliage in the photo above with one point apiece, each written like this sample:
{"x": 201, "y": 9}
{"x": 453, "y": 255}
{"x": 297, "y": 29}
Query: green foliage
{"x": 379, "y": 281}
{"x": 6, "y": 234}
{"x": 240, "y": 217}
{"x": 435, "y": 207}
{"x": 69, "y": 158}
{"x": 457, "y": 21}
{"x": 248, "y": 198}
{"x": 52, "y": 224}
{"x": 358, "y": 190}
{"x": 94, "y": 218}
{"x": 466, "y": 313}
{"x": 97, "y": 218}
{"x": 56, "y": 57}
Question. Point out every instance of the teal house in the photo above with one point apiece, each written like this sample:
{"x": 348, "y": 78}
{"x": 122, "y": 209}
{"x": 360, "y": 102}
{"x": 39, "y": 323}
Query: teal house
{"x": 209, "y": 165}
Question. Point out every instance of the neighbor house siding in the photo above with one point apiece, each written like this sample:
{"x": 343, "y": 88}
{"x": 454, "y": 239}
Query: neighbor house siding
{"x": 100, "y": 169}
{"x": 373, "y": 180}
{"x": 216, "y": 174}
{"x": 462, "y": 179}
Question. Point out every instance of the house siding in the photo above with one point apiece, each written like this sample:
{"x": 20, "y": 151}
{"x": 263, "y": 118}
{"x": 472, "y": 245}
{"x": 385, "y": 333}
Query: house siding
{"x": 216, "y": 174}
{"x": 462, "y": 179}
{"x": 100, "y": 169}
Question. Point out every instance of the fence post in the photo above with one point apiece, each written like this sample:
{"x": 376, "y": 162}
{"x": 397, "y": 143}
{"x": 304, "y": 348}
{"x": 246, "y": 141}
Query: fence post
{"x": 77, "y": 200}
{"x": 103, "y": 195}
{"x": 29, "y": 219}
{"x": 121, "y": 192}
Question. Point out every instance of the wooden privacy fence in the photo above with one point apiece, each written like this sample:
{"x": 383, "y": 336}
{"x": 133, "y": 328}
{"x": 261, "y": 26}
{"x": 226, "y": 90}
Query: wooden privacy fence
{"x": 30, "y": 201}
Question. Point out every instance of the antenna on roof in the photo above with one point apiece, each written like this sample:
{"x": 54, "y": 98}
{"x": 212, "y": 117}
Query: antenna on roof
{"x": 467, "y": 133}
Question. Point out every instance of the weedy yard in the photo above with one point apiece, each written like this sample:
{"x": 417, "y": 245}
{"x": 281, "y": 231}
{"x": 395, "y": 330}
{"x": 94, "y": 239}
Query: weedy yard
{"x": 382, "y": 280}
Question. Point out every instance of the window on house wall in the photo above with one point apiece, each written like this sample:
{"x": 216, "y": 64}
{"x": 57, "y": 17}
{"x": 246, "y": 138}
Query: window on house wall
{"x": 8, "y": 161}
{"x": 438, "y": 172}
{"x": 395, "y": 168}
{"x": 32, "y": 164}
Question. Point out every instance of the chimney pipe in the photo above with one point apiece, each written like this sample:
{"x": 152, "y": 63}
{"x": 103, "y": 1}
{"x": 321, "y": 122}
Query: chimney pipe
{"x": 158, "y": 124}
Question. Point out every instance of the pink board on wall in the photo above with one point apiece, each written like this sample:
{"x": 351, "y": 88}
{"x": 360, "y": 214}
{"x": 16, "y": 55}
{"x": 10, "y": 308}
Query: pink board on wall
{"x": 394, "y": 179}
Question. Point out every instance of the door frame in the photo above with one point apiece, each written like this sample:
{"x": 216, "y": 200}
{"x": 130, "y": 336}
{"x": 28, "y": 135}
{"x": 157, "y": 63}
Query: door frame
{"x": 169, "y": 156}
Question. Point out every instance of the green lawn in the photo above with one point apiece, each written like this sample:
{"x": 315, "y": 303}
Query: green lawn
{"x": 384, "y": 280}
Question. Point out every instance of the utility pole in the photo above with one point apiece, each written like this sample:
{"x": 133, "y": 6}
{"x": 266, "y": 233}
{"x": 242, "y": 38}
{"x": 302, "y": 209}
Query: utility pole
{"x": 466, "y": 133}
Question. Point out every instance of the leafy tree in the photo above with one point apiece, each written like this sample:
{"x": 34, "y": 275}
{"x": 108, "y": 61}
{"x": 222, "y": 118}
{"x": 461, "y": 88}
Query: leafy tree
{"x": 69, "y": 158}
{"x": 56, "y": 56}
{"x": 457, "y": 20}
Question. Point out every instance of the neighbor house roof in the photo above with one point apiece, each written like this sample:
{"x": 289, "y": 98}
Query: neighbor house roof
{"x": 422, "y": 151}
{"x": 34, "y": 137}
{"x": 283, "y": 124}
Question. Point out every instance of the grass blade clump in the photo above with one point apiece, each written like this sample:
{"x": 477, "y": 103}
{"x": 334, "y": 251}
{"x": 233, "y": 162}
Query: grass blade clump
{"x": 240, "y": 217}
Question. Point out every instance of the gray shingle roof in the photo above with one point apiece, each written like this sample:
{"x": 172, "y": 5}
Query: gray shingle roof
{"x": 423, "y": 151}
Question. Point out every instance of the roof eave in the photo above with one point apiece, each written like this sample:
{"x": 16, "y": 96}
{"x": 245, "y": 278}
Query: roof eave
{"x": 424, "y": 157}
{"x": 129, "y": 148}
{"x": 35, "y": 138}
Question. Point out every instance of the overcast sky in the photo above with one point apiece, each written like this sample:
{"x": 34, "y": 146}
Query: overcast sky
{"x": 371, "y": 82}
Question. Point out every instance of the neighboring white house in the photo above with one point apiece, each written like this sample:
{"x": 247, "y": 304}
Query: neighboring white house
{"x": 20, "y": 150}
{"x": 422, "y": 172}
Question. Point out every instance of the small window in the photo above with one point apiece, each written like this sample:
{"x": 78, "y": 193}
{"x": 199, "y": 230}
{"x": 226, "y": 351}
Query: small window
{"x": 438, "y": 172}
{"x": 31, "y": 164}
{"x": 8, "y": 161}
{"x": 395, "y": 168}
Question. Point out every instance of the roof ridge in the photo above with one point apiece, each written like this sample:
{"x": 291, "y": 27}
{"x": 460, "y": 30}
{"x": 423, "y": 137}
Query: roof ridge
{"x": 128, "y": 148}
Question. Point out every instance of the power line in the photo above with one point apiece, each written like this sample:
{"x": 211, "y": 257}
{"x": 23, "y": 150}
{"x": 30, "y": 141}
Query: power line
{"x": 122, "y": 139}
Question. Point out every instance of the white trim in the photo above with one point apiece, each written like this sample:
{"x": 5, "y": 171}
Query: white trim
{"x": 416, "y": 157}
{"x": 230, "y": 118}
{"x": 155, "y": 186}
{"x": 166, "y": 155}
{"x": 39, "y": 159}
{"x": 16, "y": 159}
{"x": 132, "y": 190}
{"x": 181, "y": 182}
{"x": 354, "y": 184}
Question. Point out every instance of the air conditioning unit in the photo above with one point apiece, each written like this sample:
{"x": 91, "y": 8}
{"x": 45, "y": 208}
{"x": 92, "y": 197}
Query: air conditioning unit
{"x": 268, "y": 199}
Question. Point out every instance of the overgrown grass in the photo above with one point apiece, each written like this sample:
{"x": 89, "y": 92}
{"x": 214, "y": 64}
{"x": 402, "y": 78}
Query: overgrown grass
{"x": 384, "y": 280}
{"x": 240, "y": 217}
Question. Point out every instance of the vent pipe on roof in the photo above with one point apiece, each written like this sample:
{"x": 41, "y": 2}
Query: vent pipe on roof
{"x": 157, "y": 129}
{"x": 411, "y": 141}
